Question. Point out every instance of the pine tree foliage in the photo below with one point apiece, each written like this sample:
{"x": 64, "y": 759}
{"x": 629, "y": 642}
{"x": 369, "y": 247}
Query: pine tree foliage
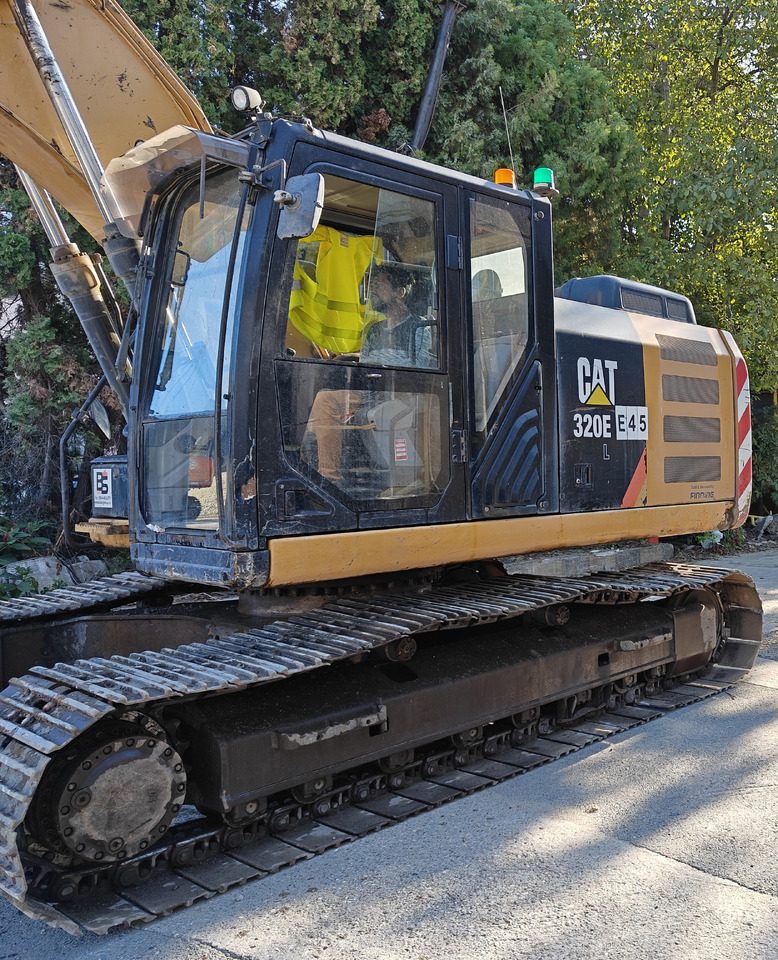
{"x": 344, "y": 65}
{"x": 560, "y": 113}
{"x": 45, "y": 366}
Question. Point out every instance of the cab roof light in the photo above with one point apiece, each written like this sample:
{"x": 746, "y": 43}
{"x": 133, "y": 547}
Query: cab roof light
{"x": 246, "y": 99}
{"x": 543, "y": 183}
{"x": 505, "y": 177}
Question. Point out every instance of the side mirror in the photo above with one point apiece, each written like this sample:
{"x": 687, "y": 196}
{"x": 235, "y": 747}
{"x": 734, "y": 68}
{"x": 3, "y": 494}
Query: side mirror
{"x": 301, "y": 205}
{"x": 99, "y": 415}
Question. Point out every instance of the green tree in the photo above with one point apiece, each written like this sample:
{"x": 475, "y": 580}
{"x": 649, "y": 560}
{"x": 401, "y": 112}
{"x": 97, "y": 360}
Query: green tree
{"x": 45, "y": 368}
{"x": 560, "y": 113}
{"x": 197, "y": 39}
{"x": 345, "y": 65}
{"x": 698, "y": 84}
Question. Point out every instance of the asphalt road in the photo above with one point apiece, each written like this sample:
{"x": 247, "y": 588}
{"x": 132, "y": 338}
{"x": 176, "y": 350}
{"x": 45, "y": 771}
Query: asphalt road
{"x": 659, "y": 843}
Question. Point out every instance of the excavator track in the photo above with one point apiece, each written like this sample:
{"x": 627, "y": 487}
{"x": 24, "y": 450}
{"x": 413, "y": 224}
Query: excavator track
{"x": 104, "y": 593}
{"x": 42, "y": 712}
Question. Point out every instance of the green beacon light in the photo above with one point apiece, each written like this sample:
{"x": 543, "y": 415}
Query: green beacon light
{"x": 544, "y": 183}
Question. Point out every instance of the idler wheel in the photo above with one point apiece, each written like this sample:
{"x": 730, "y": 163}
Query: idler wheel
{"x": 111, "y": 794}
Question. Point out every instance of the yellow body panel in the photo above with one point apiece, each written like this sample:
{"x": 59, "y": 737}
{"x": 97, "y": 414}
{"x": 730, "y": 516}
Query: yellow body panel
{"x": 337, "y": 556}
{"x": 124, "y": 90}
{"x": 685, "y": 399}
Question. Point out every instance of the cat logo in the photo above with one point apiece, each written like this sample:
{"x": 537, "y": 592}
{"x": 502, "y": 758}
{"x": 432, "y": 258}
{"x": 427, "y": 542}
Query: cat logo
{"x": 597, "y": 382}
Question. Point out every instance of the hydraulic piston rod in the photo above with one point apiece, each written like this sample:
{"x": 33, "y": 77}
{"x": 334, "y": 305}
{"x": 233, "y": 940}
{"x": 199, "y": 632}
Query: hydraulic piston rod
{"x": 81, "y": 278}
{"x": 47, "y": 212}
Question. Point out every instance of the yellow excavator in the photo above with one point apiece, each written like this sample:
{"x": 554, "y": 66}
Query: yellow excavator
{"x": 349, "y": 385}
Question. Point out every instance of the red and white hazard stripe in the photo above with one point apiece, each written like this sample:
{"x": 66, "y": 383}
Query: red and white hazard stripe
{"x": 743, "y": 430}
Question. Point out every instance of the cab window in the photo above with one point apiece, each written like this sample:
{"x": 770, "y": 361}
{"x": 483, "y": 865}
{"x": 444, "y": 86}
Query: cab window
{"x": 179, "y": 468}
{"x": 365, "y": 285}
{"x": 499, "y": 303}
{"x": 362, "y": 396}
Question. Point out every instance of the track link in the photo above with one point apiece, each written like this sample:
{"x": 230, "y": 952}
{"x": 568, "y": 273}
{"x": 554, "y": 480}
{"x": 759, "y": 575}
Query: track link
{"x": 45, "y": 710}
{"x": 96, "y": 594}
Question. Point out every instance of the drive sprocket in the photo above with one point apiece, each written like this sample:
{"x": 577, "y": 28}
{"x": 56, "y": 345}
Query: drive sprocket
{"x": 112, "y": 794}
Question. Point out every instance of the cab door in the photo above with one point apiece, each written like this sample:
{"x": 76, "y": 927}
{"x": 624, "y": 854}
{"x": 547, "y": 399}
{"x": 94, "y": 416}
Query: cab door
{"x": 508, "y": 309}
{"x": 366, "y": 393}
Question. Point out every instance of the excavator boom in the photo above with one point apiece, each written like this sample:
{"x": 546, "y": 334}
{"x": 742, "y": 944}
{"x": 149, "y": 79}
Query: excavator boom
{"x": 121, "y": 86}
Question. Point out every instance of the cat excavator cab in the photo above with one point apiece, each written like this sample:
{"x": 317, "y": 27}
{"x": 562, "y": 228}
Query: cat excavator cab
{"x": 560, "y": 423}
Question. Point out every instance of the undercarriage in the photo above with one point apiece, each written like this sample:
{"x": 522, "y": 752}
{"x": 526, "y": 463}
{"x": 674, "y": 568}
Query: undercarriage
{"x": 235, "y": 752}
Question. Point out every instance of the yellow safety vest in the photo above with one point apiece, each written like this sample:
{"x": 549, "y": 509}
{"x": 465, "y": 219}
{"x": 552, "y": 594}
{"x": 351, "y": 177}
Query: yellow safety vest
{"x": 328, "y": 310}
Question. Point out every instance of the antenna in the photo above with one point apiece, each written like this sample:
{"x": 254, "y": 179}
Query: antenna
{"x": 507, "y": 132}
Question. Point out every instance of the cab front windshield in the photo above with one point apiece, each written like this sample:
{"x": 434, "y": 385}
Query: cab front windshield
{"x": 179, "y": 456}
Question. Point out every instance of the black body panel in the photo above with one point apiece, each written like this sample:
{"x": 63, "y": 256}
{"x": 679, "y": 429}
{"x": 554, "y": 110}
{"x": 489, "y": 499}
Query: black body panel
{"x": 603, "y": 419}
{"x": 509, "y": 476}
